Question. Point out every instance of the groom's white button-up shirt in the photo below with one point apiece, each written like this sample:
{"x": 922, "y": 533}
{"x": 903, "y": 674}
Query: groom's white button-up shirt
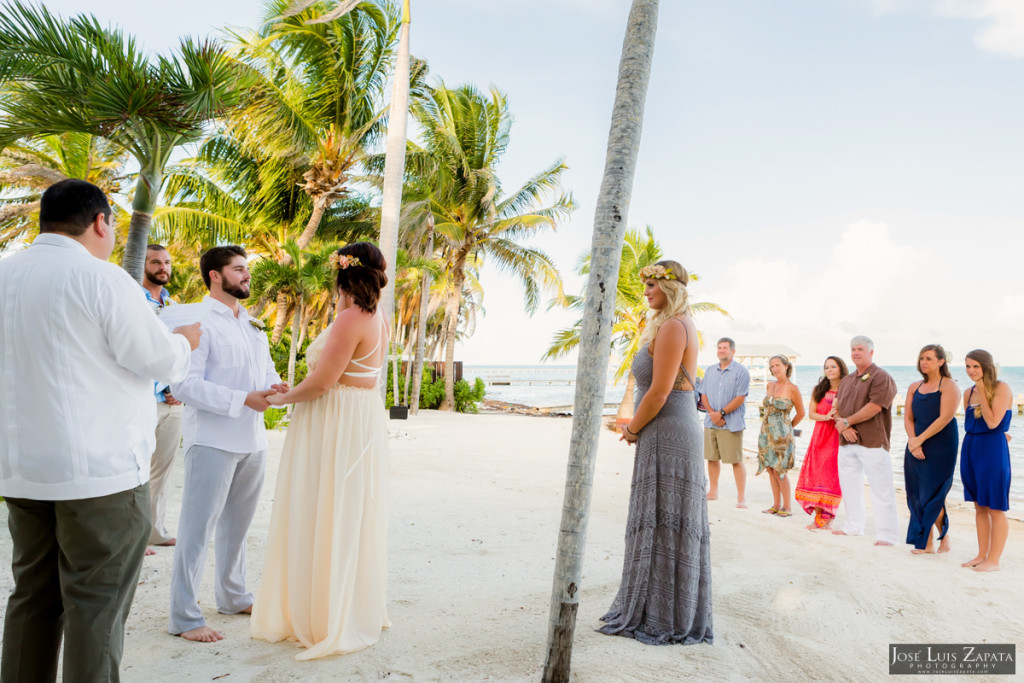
{"x": 79, "y": 351}
{"x": 232, "y": 359}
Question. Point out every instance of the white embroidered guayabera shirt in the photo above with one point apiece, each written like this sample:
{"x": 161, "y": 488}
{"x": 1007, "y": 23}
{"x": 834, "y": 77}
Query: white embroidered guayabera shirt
{"x": 232, "y": 359}
{"x": 79, "y": 352}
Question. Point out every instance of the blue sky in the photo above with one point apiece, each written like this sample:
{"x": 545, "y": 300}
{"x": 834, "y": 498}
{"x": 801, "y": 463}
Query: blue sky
{"x": 829, "y": 167}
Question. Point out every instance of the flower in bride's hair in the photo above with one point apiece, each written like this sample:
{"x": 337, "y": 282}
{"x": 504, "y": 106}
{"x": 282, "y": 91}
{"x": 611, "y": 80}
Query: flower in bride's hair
{"x": 656, "y": 273}
{"x": 343, "y": 261}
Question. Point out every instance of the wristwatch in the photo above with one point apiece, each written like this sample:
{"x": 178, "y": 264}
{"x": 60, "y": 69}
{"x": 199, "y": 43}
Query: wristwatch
{"x": 723, "y": 412}
{"x": 846, "y": 423}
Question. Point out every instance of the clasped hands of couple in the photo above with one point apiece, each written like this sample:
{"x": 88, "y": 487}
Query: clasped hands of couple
{"x": 261, "y": 400}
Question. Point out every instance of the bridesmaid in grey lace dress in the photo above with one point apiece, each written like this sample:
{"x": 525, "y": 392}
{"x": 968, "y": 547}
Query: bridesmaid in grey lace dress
{"x": 665, "y": 595}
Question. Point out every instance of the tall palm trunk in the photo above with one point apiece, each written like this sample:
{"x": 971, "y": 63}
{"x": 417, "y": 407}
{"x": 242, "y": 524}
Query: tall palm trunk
{"x": 394, "y": 166}
{"x": 283, "y": 309}
{"x": 293, "y": 346}
{"x": 319, "y": 206}
{"x": 143, "y": 205}
{"x": 451, "y": 311}
{"x": 592, "y": 370}
{"x": 421, "y": 330}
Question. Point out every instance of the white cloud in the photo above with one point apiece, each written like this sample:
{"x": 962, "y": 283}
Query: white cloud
{"x": 1002, "y": 30}
{"x": 863, "y": 280}
{"x": 1002, "y": 21}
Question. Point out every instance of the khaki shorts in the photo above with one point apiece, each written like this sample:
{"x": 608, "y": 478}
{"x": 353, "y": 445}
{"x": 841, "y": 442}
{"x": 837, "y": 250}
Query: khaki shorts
{"x": 723, "y": 445}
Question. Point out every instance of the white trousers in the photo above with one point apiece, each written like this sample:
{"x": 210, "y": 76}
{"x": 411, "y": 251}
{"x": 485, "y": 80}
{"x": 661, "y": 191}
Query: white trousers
{"x": 168, "y": 438}
{"x": 855, "y": 461}
{"x": 221, "y": 492}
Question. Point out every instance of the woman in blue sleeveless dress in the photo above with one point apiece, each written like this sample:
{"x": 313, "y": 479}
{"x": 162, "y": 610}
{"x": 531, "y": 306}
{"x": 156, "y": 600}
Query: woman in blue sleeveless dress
{"x": 930, "y": 457}
{"x": 985, "y": 459}
{"x": 665, "y": 594}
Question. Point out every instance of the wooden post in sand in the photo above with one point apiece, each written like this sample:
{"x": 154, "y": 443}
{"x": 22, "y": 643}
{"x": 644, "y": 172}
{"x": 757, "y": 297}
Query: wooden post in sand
{"x": 595, "y": 340}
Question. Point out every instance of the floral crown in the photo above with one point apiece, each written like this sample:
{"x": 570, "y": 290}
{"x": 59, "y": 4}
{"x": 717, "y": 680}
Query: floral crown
{"x": 344, "y": 261}
{"x": 657, "y": 273}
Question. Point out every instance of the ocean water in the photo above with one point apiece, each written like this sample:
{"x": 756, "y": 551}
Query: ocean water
{"x": 547, "y": 386}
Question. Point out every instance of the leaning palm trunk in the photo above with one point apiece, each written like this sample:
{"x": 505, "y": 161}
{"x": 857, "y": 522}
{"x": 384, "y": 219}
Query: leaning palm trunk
{"x": 626, "y": 407}
{"x": 394, "y": 167}
{"x": 283, "y": 309}
{"x": 592, "y": 370}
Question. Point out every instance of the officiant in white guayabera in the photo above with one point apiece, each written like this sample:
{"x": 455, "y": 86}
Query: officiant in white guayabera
{"x": 80, "y": 350}
{"x": 225, "y": 442}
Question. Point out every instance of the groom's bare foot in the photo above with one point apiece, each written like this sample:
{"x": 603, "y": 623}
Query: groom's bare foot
{"x": 171, "y": 542}
{"x": 203, "y": 634}
{"x": 247, "y": 610}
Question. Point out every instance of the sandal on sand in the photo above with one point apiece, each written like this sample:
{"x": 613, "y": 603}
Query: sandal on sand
{"x": 771, "y": 511}
{"x": 784, "y": 513}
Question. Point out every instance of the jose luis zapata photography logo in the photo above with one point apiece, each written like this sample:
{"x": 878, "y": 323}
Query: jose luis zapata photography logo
{"x": 978, "y": 658}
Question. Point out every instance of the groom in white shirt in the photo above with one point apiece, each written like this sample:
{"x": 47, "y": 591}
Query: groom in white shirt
{"x": 225, "y": 394}
{"x": 79, "y": 351}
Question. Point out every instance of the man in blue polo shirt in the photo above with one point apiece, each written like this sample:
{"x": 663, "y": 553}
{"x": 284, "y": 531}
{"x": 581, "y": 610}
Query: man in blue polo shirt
{"x": 723, "y": 393}
{"x": 168, "y": 427}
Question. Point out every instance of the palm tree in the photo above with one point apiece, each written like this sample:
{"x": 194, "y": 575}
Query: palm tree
{"x": 610, "y": 219}
{"x": 466, "y": 133}
{"x": 30, "y": 166}
{"x": 306, "y": 278}
{"x": 638, "y": 250}
{"x": 60, "y": 76}
{"x": 319, "y": 100}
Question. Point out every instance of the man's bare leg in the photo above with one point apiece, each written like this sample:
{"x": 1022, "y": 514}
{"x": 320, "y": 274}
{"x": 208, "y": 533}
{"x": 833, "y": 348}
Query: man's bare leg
{"x": 202, "y": 634}
{"x": 714, "y": 469}
{"x": 739, "y": 473}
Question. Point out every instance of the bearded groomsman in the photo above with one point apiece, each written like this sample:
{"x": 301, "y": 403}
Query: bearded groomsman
{"x": 863, "y": 416}
{"x": 225, "y": 394}
{"x": 80, "y": 350}
{"x": 156, "y": 275}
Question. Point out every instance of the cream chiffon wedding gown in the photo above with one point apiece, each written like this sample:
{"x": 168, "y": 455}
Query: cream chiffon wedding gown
{"x": 325, "y": 574}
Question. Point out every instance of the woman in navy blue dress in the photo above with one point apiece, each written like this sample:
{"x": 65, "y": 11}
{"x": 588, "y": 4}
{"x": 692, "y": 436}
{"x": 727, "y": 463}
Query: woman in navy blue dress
{"x": 930, "y": 458}
{"x": 985, "y": 459}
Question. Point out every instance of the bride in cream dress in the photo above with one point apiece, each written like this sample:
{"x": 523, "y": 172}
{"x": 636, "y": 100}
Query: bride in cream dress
{"x": 324, "y": 578}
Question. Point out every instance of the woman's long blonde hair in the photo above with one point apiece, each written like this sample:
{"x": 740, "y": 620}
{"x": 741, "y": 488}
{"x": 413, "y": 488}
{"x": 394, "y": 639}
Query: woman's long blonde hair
{"x": 989, "y": 375}
{"x": 677, "y": 300}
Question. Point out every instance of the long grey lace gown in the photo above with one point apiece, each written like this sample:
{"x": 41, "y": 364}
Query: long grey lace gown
{"x": 665, "y": 596}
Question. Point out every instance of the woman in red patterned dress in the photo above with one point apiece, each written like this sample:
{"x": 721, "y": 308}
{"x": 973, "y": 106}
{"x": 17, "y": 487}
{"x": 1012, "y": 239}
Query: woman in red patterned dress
{"x": 818, "y": 487}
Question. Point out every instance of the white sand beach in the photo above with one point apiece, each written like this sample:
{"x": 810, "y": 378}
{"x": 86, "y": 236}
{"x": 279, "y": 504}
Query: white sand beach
{"x": 476, "y": 503}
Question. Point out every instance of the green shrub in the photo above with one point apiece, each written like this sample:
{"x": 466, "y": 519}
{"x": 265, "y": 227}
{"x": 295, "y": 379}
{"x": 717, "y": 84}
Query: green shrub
{"x": 272, "y": 417}
{"x": 432, "y": 393}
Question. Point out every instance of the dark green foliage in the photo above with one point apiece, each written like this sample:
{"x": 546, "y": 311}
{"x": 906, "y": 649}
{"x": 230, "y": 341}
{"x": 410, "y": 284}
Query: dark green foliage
{"x": 432, "y": 393}
{"x": 279, "y": 352}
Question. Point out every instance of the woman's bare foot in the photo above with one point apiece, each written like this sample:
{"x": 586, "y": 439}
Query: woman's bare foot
{"x": 973, "y": 562}
{"x": 882, "y": 543}
{"x": 838, "y": 532}
{"x": 944, "y": 546}
{"x": 203, "y": 634}
{"x": 150, "y": 551}
{"x": 927, "y": 550}
{"x": 987, "y": 566}
{"x": 713, "y": 495}
{"x": 742, "y": 504}
{"x": 812, "y": 526}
